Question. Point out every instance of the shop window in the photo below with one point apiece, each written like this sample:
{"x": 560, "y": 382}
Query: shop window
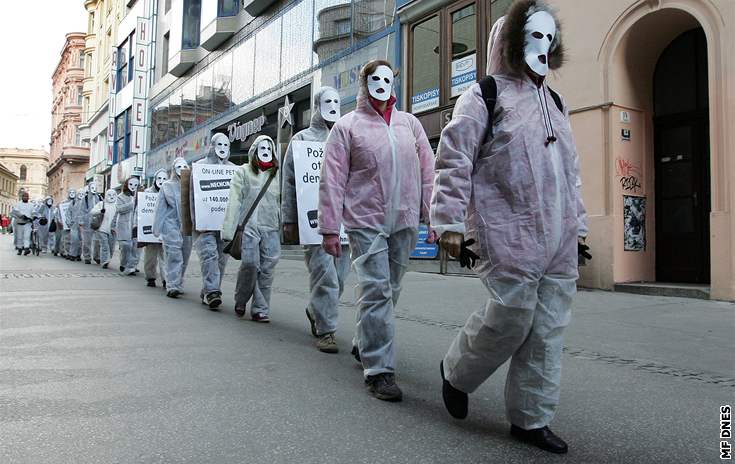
{"x": 424, "y": 65}
{"x": 174, "y": 116}
{"x": 204, "y": 96}
{"x": 221, "y": 84}
{"x": 330, "y": 19}
{"x": 190, "y": 24}
{"x": 188, "y": 105}
{"x": 267, "y": 68}
{"x": 243, "y": 60}
{"x": 23, "y": 172}
{"x": 296, "y": 50}
{"x": 464, "y": 49}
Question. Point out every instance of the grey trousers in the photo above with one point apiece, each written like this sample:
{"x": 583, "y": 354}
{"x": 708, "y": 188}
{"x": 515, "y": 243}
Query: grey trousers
{"x": 127, "y": 257}
{"x": 65, "y": 243}
{"x": 89, "y": 243}
{"x": 152, "y": 259}
{"x": 43, "y": 237}
{"x": 212, "y": 259}
{"x": 75, "y": 248}
{"x": 177, "y": 258}
{"x": 261, "y": 250}
{"x": 327, "y": 276}
{"x": 107, "y": 246}
{"x": 529, "y": 333}
{"x": 22, "y": 237}
{"x": 380, "y": 262}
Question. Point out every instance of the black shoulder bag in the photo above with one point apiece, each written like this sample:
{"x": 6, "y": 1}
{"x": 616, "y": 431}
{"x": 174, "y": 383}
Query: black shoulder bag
{"x": 234, "y": 248}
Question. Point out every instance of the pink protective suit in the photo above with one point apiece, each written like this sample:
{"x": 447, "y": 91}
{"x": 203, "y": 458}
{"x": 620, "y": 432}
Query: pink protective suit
{"x": 376, "y": 179}
{"x": 517, "y": 194}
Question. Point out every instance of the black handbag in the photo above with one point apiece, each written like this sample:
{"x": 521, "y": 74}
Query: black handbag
{"x": 234, "y": 248}
{"x": 52, "y": 226}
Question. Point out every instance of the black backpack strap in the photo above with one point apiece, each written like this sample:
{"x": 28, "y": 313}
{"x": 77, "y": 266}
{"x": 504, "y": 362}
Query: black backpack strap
{"x": 489, "y": 89}
{"x": 557, "y": 99}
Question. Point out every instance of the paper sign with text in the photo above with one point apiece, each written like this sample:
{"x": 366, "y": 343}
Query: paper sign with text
{"x": 63, "y": 208}
{"x": 146, "y": 210}
{"x": 307, "y": 163}
{"x": 211, "y": 194}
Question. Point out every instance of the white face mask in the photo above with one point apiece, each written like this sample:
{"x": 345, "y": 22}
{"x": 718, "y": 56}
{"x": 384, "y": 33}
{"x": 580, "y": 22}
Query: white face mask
{"x": 380, "y": 83}
{"x": 221, "y": 146}
{"x": 133, "y": 184}
{"x": 93, "y": 188}
{"x": 49, "y": 201}
{"x": 179, "y": 166}
{"x": 72, "y": 194}
{"x": 161, "y": 177}
{"x": 540, "y": 32}
{"x": 111, "y": 196}
{"x": 265, "y": 151}
{"x": 329, "y": 105}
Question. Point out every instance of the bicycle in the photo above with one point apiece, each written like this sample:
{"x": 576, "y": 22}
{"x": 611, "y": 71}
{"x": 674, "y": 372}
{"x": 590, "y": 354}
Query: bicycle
{"x": 35, "y": 243}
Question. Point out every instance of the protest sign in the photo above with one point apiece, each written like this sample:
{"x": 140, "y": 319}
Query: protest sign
{"x": 307, "y": 162}
{"x": 146, "y": 210}
{"x": 63, "y": 209}
{"x": 211, "y": 183}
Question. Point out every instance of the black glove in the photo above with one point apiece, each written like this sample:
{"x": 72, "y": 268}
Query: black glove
{"x": 43, "y": 221}
{"x": 467, "y": 257}
{"x": 583, "y": 250}
{"x": 103, "y": 210}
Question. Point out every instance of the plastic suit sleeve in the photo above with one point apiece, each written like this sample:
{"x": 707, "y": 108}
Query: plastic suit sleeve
{"x": 238, "y": 184}
{"x": 333, "y": 179}
{"x": 124, "y": 206}
{"x": 159, "y": 212}
{"x": 426, "y": 162}
{"x": 458, "y": 148}
{"x": 289, "y": 209}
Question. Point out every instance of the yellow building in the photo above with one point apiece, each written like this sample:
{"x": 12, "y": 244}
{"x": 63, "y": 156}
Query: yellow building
{"x": 8, "y": 190}
{"x": 30, "y": 166}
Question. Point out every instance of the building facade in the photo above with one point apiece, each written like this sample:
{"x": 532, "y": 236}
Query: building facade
{"x": 8, "y": 190}
{"x": 68, "y": 153}
{"x": 30, "y": 166}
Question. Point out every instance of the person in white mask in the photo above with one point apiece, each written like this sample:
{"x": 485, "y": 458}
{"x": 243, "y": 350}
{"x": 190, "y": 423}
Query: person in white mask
{"x": 153, "y": 254}
{"x": 75, "y": 217}
{"x": 44, "y": 213}
{"x": 167, "y": 226}
{"x": 85, "y": 204}
{"x": 507, "y": 179}
{"x": 108, "y": 210}
{"x": 22, "y": 213}
{"x": 63, "y": 229}
{"x": 376, "y": 180}
{"x": 209, "y": 245}
{"x": 327, "y": 273}
{"x": 123, "y": 224}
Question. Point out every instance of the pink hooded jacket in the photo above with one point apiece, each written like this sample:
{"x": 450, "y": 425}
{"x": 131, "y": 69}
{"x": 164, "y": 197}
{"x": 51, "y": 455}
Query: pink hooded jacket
{"x": 516, "y": 195}
{"x": 375, "y": 175}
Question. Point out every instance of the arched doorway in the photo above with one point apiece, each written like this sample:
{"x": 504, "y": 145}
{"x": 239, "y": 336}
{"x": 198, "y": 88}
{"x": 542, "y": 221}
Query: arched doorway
{"x": 682, "y": 160}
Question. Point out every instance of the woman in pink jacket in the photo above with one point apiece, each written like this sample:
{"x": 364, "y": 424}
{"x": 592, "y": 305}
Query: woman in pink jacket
{"x": 376, "y": 180}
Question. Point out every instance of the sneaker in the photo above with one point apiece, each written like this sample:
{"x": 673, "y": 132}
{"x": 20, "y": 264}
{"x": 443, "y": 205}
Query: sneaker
{"x": 240, "y": 311}
{"x": 213, "y": 300}
{"x": 312, "y": 322}
{"x": 383, "y": 387}
{"x": 105, "y": 265}
{"x": 151, "y": 283}
{"x": 454, "y": 400}
{"x": 327, "y": 344}
{"x": 542, "y": 438}
{"x": 173, "y": 293}
{"x": 129, "y": 272}
{"x": 260, "y": 317}
{"x": 356, "y": 354}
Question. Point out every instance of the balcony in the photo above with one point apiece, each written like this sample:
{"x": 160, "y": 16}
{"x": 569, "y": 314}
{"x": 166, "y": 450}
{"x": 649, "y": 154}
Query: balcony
{"x": 219, "y": 30}
{"x": 257, "y": 7}
{"x": 182, "y": 61}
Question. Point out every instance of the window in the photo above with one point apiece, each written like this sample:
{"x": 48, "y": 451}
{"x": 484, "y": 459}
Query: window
{"x": 204, "y": 96}
{"x": 188, "y": 105}
{"x": 221, "y": 84}
{"x": 344, "y": 26}
{"x": 90, "y": 24}
{"x": 190, "y": 28}
{"x": 498, "y": 8}
{"x": 464, "y": 48}
{"x": 243, "y": 59}
{"x": 296, "y": 52}
{"x": 77, "y": 137}
{"x": 159, "y": 123}
{"x": 268, "y": 47}
{"x": 424, "y": 65}
{"x": 80, "y": 97}
{"x": 81, "y": 59}
{"x": 328, "y": 15}
{"x": 227, "y": 7}
{"x": 23, "y": 172}
{"x": 122, "y": 137}
{"x": 371, "y": 16}
{"x": 164, "y": 54}
{"x": 125, "y": 63}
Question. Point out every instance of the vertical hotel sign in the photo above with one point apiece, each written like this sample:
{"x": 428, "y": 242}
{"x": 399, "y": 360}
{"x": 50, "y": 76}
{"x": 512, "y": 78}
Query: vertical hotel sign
{"x": 139, "y": 110}
{"x": 111, "y": 107}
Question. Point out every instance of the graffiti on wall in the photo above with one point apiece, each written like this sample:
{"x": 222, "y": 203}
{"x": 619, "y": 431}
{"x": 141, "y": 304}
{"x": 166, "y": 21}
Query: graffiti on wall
{"x": 630, "y": 176}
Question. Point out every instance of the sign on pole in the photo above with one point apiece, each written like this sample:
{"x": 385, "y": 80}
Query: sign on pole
{"x": 211, "y": 194}
{"x": 146, "y": 210}
{"x": 307, "y": 163}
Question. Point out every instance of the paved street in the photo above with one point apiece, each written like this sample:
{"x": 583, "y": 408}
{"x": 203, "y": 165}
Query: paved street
{"x": 97, "y": 368}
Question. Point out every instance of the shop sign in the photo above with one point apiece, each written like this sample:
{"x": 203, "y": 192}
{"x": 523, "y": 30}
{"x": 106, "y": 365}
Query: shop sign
{"x": 464, "y": 74}
{"x": 424, "y": 101}
{"x": 238, "y": 131}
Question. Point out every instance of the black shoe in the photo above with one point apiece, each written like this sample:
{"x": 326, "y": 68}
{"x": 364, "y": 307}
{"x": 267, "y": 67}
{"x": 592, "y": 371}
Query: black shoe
{"x": 356, "y": 354}
{"x": 163, "y": 283}
{"x": 151, "y": 283}
{"x": 173, "y": 293}
{"x": 312, "y": 323}
{"x": 78, "y": 258}
{"x": 122, "y": 268}
{"x": 87, "y": 261}
{"x": 383, "y": 387}
{"x": 27, "y": 251}
{"x": 543, "y": 438}
{"x": 20, "y": 251}
{"x": 96, "y": 260}
{"x": 454, "y": 400}
{"x": 213, "y": 300}
{"x": 105, "y": 266}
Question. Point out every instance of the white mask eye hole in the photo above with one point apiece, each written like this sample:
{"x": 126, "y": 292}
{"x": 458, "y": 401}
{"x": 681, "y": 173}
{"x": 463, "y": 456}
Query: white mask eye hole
{"x": 537, "y": 35}
{"x": 387, "y": 81}
{"x": 548, "y": 36}
{"x": 376, "y": 78}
